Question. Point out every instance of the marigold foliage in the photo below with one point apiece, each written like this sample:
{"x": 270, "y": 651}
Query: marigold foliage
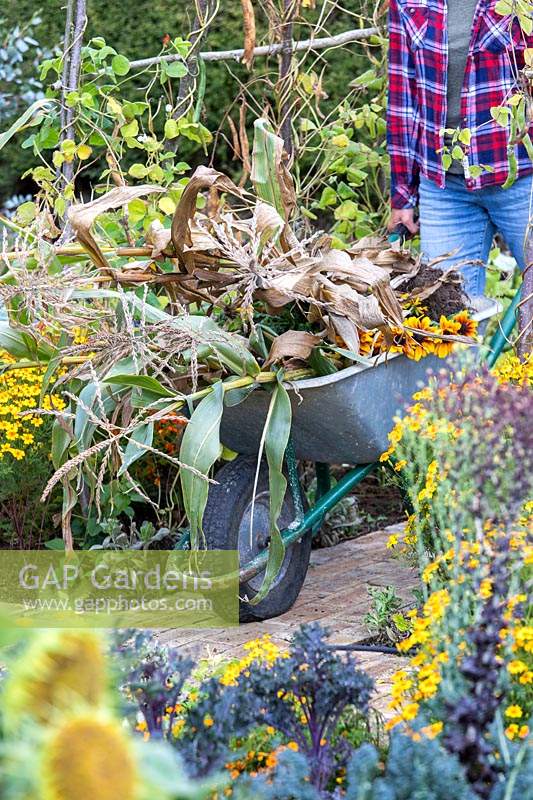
{"x": 20, "y": 390}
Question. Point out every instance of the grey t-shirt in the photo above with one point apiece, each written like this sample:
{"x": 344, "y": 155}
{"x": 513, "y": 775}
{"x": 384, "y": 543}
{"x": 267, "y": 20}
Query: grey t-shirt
{"x": 460, "y": 21}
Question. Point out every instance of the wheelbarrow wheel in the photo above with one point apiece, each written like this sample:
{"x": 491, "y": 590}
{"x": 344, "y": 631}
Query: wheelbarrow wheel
{"x": 227, "y": 527}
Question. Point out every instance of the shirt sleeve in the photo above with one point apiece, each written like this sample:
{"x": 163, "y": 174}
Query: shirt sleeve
{"x": 400, "y": 115}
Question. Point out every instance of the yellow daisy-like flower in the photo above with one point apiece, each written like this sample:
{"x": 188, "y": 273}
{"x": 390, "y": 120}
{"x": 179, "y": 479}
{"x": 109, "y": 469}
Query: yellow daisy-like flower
{"x": 468, "y": 326}
{"x": 513, "y": 712}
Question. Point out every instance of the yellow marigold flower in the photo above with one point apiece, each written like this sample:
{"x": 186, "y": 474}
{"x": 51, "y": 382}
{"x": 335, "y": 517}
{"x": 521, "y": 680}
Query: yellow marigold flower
{"x": 431, "y": 731}
{"x": 208, "y": 721}
{"x": 429, "y": 570}
{"x": 410, "y": 711}
{"x": 516, "y": 667}
{"x": 513, "y": 712}
{"x": 392, "y": 541}
{"x": 485, "y": 589}
{"x": 511, "y": 731}
{"x": 393, "y": 722}
{"x": 293, "y": 746}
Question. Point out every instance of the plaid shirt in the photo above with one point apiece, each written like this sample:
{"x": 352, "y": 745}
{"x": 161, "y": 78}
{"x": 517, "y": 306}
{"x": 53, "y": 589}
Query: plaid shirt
{"x": 418, "y": 66}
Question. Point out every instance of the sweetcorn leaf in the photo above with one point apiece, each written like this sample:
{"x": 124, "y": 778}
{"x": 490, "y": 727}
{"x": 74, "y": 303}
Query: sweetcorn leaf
{"x": 20, "y": 344}
{"x": 276, "y": 437}
{"x": 271, "y": 178}
{"x": 152, "y": 385}
{"x": 200, "y": 448}
{"x": 24, "y": 119}
{"x": 144, "y": 435}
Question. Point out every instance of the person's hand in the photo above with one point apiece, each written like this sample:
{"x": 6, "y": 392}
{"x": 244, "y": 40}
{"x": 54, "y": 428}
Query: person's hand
{"x": 403, "y": 216}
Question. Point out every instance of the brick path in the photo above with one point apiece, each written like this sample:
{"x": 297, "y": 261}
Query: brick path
{"x": 335, "y": 593}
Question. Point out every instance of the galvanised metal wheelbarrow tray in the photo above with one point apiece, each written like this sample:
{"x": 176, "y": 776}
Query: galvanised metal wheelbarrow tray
{"x": 343, "y": 418}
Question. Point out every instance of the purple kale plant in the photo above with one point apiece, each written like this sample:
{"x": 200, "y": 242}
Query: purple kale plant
{"x": 304, "y": 695}
{"x": 220, "y": 715}
{"x": 153, "y": 676}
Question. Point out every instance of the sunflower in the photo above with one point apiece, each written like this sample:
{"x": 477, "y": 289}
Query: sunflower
{"x": 468, "y": 326}
{"x": 88, "y": 757}
{"x": 58, "y": 667}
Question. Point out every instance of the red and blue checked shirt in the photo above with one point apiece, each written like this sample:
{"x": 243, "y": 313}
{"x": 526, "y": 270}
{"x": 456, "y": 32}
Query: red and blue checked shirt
{"x": 418, "y": 66}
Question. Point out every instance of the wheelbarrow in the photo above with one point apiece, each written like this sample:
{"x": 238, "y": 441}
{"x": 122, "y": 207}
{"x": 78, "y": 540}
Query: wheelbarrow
{"x": 343, "y": 418}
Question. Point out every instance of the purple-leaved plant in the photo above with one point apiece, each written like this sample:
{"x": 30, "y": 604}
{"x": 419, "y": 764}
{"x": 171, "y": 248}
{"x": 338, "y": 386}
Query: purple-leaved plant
{"x": 304, "y": 695}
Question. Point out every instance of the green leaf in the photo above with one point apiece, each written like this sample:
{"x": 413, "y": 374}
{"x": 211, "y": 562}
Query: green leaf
{"x": 200, "y": 448}
{"x": 501, "y": 114}
{"x": 276, "y": 435}
{"x": 137, "y": 171}
{"x": 130, "y": 129}
{"x": 61, "y": 440}
{"x": 328, "y": 197}
{"x": 171, "y": 129}
{"x": 120, "y": 65}
{"x": 446, "y": 161}
{"x": 346, "y": 211}
{"x": 24, "y": 119}
{"x": 176, "y": 69}
{"x": 84, "y": 427}
{"x": 352, "y": 356}
{"x": 21, "y": 345}
{"x": 144, "y": 434}
{"x": 143, "y": 382}
{"x": 320, "y": 363}
{"x": 267, "y": 148}
{"x": 55, "y": 544}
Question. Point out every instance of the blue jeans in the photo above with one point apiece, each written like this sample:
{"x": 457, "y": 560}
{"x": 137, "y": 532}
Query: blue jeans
{"x": 455, "y": 219}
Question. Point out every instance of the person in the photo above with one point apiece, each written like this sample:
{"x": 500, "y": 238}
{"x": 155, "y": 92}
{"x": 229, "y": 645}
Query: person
{"x": 450, "y": 63}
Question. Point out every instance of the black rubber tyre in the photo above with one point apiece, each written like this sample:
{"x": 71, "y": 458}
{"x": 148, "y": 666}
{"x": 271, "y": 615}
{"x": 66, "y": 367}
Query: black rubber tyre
{"x": 227, "y": 527}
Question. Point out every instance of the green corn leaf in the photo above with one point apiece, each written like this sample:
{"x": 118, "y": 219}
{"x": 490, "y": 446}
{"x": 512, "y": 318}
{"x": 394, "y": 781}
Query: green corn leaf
{"x": 276, "y": 437}
{"x": 84, "y": 427}
{"x": 23, "y": 120}
{"x": 144, "y": 435}
{"x": 141, "y": 381}
{"x": 61, "y": 439}
{"x": 228, "y": 348}
{"x": 265, "y": 156}
{"x": 200, "y": 448}
{"x": 22, "y": 345}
